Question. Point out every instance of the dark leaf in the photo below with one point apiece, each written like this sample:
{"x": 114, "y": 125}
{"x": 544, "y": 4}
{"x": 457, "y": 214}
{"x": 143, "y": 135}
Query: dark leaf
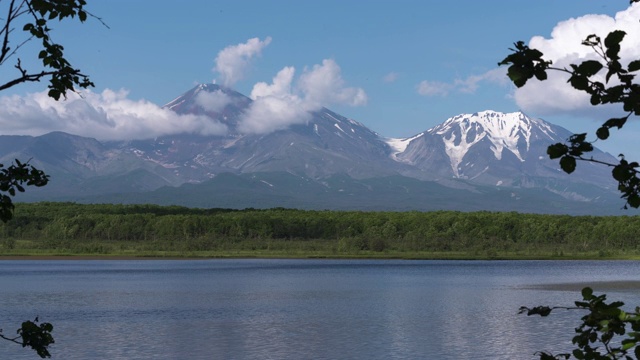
{"x": 614, "y": 38}
{"x": 568, "y": 164}
{"x": 617, "y": 122}
{"x": 557, "y": 150}
{"x": 634, "y": 65}
{"x": 634, "y": 200}
{"x": 579, "y": 82}
{"x": 541, "y": 74}
{"x": 621, "y": 173}
{"x": 589, "y": 68}
{"x": 602, "y": 133}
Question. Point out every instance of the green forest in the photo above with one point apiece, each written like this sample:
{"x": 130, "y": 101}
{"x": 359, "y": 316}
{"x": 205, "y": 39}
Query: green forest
{"x": 161, "y": 231}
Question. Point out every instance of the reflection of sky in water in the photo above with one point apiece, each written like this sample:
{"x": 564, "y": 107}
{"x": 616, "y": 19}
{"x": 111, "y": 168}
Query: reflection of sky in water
{"x": 294, "y": 309}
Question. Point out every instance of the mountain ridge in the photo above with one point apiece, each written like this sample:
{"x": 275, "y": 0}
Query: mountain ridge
{"x": 487, "y": 152}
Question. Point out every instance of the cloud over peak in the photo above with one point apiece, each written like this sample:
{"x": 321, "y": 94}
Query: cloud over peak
{"x": 232, "y": 61}
{"x": 286, "y": 101}
{"x": 109, "y": 115}
{"x": 112, "y": 115}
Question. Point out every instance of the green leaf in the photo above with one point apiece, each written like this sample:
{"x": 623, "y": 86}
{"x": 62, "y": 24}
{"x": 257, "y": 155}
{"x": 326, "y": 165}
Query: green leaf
{"x": 517, "y": 75}
{"x": 568, "y": 164}
{"x": 578, "y": 354}
{"x": 587, "y": 293}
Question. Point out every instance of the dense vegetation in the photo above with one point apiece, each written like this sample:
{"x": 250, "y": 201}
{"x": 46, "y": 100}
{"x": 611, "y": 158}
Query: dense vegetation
{"x": 74, "y": 229}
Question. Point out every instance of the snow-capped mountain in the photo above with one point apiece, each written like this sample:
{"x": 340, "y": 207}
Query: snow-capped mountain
{"x": 217, "y": 102}
{"x": 326, "y": 144}
{"x": 493, "y": 148}
{"x": 486, "y": 156}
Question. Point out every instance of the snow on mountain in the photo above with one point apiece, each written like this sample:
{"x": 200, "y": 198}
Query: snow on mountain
{"x": 511, "y": 132}
{"x": 493, "y": 148}
{"x": 399, "y": 145}
{"x": 489, "y": 148}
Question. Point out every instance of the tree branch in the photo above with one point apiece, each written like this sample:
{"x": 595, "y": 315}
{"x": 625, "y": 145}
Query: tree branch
{"x": 30, "y": 77}
{"x": 15, "y": 339}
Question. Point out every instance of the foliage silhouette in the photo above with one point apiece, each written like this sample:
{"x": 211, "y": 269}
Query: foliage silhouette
{"x": 25, "y": 21}
{"x": 618, "y": 88}
{"x": 605, "y": 321}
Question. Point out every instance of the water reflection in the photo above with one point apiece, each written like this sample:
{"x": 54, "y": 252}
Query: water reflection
{"x": 293, "y": 309}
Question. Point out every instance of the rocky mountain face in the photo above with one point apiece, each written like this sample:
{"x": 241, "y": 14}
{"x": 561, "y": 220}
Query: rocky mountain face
{"x": 332, "y": 159}
{"x": 493, "y": 148}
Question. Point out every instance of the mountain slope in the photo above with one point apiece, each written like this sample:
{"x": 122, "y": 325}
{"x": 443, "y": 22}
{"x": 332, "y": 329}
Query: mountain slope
{"x": 326, "y": 144}
{"x": 483, "y": 161}
{"x": 492, "y": 148}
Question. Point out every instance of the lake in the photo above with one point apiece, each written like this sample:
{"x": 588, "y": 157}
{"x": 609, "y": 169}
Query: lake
{"x": 298, "y": 309}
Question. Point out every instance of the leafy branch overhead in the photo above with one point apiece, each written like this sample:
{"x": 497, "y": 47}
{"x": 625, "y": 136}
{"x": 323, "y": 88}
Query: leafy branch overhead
{"x": 33, "y": 16}
{"x": 25, "y": 21}
{"x": 618, "y": 88}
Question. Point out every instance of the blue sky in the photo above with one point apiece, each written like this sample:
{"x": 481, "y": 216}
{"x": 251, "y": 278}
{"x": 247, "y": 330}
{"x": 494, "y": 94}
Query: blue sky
{"x": 416, "y": 62}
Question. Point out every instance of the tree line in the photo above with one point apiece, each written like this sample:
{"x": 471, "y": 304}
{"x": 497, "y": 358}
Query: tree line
{"x": 78, "y": 228}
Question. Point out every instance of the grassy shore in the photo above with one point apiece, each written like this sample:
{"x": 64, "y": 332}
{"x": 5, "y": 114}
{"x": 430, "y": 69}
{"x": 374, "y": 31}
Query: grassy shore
{"x": 53, "y": 254}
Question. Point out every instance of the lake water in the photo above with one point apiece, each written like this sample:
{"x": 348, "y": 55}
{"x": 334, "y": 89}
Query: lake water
{"x": 297, "y": 309}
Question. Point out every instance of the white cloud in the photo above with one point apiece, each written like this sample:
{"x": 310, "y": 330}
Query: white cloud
{"x": 323, "y": 85}
{"x": 232, "y": 61}
{"x": 274, "y": 106}
{"x": 554, "y": 96}
{"x": 285, "y": 102}
{"x": 468, "y": 85}
{"x": 280, "y": 86}
{"x": 214, "y": 101}
{"x": 471, "y": 84}
{"x": 390, "y": 77}
{"x": 432, "y": 88}
{"x": 109, "y": 115}
{"x": 271, "y": 113}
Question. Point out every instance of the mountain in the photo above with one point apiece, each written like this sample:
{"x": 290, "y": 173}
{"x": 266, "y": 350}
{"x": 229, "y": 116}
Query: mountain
{"x": 483, "y": 161}
{"x": 326, "y": 144}
{"x": 493, "y": 148}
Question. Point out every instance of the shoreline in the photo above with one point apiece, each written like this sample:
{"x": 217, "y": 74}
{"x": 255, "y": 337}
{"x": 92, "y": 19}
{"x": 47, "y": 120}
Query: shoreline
{"x": 94, "y": 257}
{"x": 600, "y": 286}
{"x": 262, "y": 255}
